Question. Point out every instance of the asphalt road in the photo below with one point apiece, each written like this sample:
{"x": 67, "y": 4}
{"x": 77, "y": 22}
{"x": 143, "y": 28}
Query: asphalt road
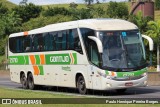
{"x": 143, "y": 92}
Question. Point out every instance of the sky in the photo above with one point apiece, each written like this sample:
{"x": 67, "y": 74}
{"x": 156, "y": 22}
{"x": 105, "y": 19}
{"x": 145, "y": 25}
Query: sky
{"x": 45, "y": 2}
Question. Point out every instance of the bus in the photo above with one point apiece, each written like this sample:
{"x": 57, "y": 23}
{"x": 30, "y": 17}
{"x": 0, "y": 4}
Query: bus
{"x": 97, "y": 54}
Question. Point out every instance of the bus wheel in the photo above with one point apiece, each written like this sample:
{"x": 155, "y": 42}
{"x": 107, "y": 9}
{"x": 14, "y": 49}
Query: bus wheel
{"x": 24, "y": 81}
{"x": 81, "y": 85}
{"x": 121, "y": 91}
{"x": 30, "y": 80}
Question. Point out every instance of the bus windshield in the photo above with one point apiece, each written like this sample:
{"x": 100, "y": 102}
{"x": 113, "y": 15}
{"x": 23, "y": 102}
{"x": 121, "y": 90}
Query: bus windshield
{"x": 122, "y": 49}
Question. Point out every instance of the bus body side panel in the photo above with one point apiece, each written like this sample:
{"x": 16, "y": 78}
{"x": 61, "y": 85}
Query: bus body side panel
{"x": 15, "y": 73}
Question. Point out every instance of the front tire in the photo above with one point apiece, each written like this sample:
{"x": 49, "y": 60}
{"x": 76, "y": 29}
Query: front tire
{"x": 24, "y": 81}
{"x": 81, "y": 85}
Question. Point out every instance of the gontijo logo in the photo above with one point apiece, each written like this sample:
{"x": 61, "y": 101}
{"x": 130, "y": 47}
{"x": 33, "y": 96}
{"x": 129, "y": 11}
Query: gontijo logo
{"x": 64, "y": 59}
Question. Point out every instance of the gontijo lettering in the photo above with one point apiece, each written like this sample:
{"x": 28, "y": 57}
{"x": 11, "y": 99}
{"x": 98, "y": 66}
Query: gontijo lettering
{"x": 59, "y": 59}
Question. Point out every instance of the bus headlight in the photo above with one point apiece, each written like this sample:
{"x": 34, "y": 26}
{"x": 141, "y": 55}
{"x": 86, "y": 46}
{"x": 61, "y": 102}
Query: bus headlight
{"x": 102, "y": 74}
{"x": 144, "y": 74}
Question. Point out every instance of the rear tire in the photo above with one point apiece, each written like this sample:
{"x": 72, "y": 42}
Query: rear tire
{"x": 30, "y": 80}
{"x": 24, "y": 81}
{"x": 81, "y": 85}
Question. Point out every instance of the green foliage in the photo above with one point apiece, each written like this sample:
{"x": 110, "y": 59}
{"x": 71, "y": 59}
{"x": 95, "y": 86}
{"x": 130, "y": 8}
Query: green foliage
{"x": 2, "y": 45}
{"x": 43, "y": 21}
{"x": 99, "y": 12}
{"x": 9, "y": 23}
{"x": 154, "y": 30}
{"x": 73, "y": 5}
{"x": 81, "y": 13}
{"x": 140, "y": 21}
{"x": 28, "y": 11}
{"x": 56, "y": 11}
{"x": 117, "y": 10}
{"x": 3, "y": 9}
{"x": 157, "y": 4}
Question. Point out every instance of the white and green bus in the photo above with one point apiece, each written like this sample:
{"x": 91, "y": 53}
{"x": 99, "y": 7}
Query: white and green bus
{"x": 98, "y": 54}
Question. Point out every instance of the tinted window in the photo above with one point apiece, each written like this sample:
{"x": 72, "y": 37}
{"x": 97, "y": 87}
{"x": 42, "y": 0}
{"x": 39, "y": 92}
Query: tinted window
{"x": 51, "y": 41}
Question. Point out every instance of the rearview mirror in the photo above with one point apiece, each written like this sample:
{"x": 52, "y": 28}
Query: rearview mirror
{"x": 149, "y": 39}
{"x": 98, "y": 42}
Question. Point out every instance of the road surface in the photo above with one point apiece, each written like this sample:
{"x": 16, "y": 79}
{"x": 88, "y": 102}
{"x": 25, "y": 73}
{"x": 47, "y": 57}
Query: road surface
{"x": 143, "y": 92}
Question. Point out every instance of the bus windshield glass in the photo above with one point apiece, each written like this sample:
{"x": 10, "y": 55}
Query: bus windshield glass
{"x": 122, "y": 49}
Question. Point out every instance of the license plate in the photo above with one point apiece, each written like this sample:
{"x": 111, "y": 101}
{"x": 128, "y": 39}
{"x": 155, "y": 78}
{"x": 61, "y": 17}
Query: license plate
{"x": 129, "y": 84}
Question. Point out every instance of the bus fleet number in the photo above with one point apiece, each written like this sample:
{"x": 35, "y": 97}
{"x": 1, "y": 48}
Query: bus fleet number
{"x": 13, "y": 60}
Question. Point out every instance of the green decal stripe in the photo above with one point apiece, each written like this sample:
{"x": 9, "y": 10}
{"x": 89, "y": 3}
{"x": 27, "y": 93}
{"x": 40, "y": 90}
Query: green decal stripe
{"x": 26, "y": 59}
{"x": 107, "y": 72}
{"x": 41, "y": 70}
{"x": 55, "y": 59}
{"x": 37, "y": 59}
{"x": 136, "y": 73}
{"x": 75, "y": 58}
{"x": 16, "y": 60}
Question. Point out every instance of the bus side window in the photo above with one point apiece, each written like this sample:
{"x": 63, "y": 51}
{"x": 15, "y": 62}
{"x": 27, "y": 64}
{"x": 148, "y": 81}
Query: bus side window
{"x": 74, "y": 41}
{"x": 19, "y": 44}
{"x": 93, "y": 53}
{"x": 53, "y": 40}
{"x": 12, "y": 44}
{"x": 27, "y": 44}
{"x": 58, "y": 41}
{"x": 35, "y": 43}
{"x": 71, "y": 39}
{"x": 64, "y": 36}
{"x": 47, "y": 41}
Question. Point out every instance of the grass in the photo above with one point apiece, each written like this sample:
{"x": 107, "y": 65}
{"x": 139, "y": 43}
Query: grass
{"x": 12, "y": 93}
{"x": 2, "y": 58}
{"x": 8, "y": 4}
{"x": 157, "y": 15}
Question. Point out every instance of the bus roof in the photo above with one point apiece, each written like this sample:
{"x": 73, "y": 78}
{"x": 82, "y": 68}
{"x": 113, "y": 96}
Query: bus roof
{"x": 96, "y": 24}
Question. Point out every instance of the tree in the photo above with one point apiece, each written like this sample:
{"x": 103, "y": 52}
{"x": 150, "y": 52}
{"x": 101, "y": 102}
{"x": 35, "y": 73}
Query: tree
{"x": 157, "y": 4}
{"x": 140, "y": 21}
{"x": 43, "y": 21}
{"x": 89, "y": 2}
{"x": 154, "y": 32}
{"x": 3, "y": 9}
{"x": 28, "y": 11}
{"x": 52, "y": 11}
{"x": 82, "y": 13}
{"x": 73, "y": 5}
{"x": 117, "y": 10}
{"x": 9, "y": 23}
{"x": 23, "y": 2}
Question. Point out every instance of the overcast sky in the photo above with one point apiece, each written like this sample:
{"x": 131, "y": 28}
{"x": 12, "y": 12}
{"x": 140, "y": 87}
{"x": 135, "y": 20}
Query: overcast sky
{"x": 44, "y": 2}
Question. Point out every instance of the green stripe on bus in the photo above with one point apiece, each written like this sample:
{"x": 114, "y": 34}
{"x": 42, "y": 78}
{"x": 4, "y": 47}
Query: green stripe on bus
{"x": 75, "y": 58}
{"x": 37, "y": 59}
{"x": 132, "y": 73}
{"x": 55, "y": 59}
{"x": 41, "y": 70}
{"x": 26, "y": 59}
